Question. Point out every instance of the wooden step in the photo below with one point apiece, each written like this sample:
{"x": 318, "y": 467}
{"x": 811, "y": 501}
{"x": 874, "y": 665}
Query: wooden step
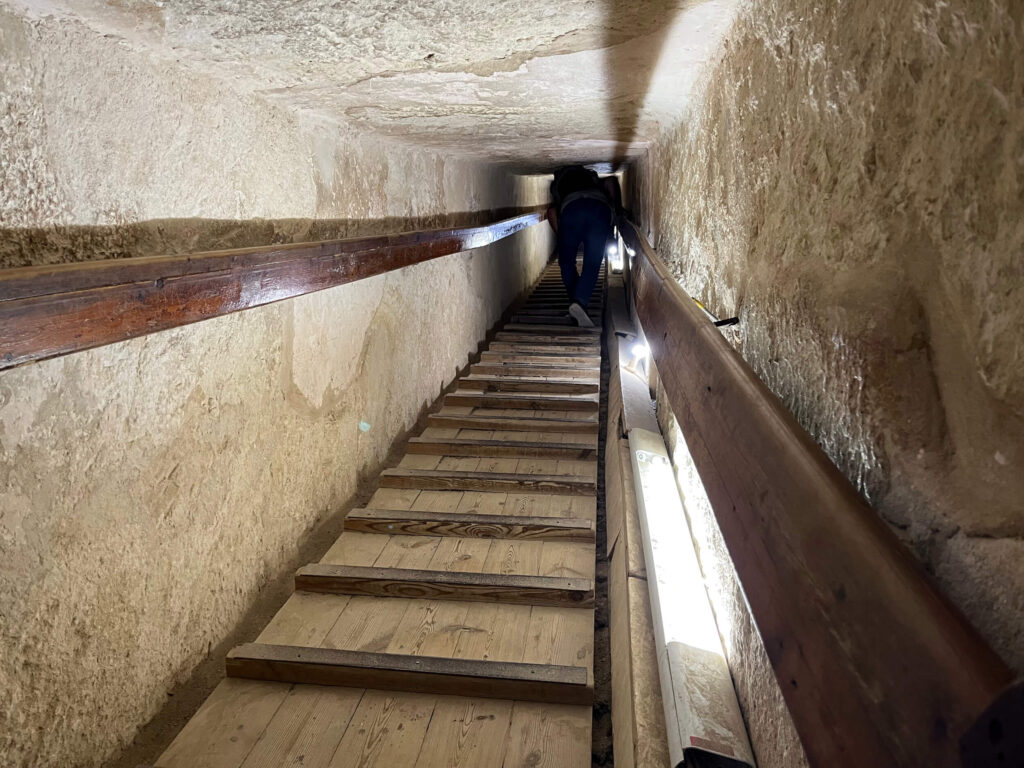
{"x": 526, "y": 384}
{"x": 553, "y": 309}
{"x": 553, "y": 371}
{"x": 415, "y": 674}
{"x": 508, "y": 482}
{"x": 548, "y": 339}
{"x": 462, "y": 446}
{"x": 513, "y": 424}
{"x": 543, "y": 350}
{"x": 587, "y": 403}
{"x": 469, "y": 525}
{"x": 445, "y": 585}
{"x": 511, "y": 358}
{"x": 545, "y": 321}
{"x": 558, "y": 330}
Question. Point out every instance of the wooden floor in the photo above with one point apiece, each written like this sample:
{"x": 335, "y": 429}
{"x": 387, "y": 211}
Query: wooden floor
{"x": 452, "y": 623}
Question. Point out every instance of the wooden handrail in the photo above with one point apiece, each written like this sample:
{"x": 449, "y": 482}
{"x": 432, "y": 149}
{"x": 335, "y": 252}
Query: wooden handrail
{"x": 54, "y": 310}
{"x": 876, "y": 667}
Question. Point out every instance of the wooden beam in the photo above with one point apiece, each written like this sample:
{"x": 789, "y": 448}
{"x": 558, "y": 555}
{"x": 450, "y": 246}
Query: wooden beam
{"x": 539, "y": 358}
{"x": 512, "y": 369}
{"x": 462, "y": 446}
{"x": 559, "y": 340}
{"x": 876, "y": 667}
{"x": 465, "y": 586}
{"x": 506, "y": 482}
{"x": 52, "y": 310}
{"x": 469, "y": 525}
{"x": 524, "y": 384}
{"x": 512, "y": 424}
{"x": 539, "y": 329}
{"x": 414, "y": 674}
{"x": 525, "y": 348}
{"x": 545, "y": 321}
{"x": 586, "y": 403}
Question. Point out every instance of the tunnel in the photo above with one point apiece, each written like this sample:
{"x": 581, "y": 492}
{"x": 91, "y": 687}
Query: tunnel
{"x": 308, "y": 458}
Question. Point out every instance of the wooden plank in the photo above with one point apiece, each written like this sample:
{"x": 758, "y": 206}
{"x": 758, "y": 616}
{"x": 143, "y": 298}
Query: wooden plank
{"x": 487, "y": 481}
{"x": 307, "y": 728}
{"x": 226, "y": 727}
{"x": 544, "y": 350}
{"x": 465, "y": 733}
{"x": 549, "y": 736}
{"x": 523, "y": 424}
{"x": 554, "y": 371}
{"x": 553, "y": 330}
{"x": 483, "y": 526}
{"x": 557, "y": 339}
{"x": 524, "y": 384}
{"x": 558, "y": 684}
{"x": 465, "y": 446}
{"x": 387, "y": 729}
{"x": 443, "y": 585}
{"x": 52, "y": 310}
{"x": 547, "y": 321}
{"x": 876, "y": 667}
{"x": 586, "y": 403}
{"x": 591, "y": 360}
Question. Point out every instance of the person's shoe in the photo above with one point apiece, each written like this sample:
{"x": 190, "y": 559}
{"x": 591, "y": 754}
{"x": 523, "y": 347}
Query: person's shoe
{"x": 579, "y": 314}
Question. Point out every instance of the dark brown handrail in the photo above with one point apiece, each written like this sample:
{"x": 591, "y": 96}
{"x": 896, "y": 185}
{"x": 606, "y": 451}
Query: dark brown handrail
{"x": 55, "y": 310}
{"x": 876, "y": 667}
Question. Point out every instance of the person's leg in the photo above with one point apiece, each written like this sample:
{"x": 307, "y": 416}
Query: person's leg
{"x": 571, "y": 227}
{"x": 595, "y": 240}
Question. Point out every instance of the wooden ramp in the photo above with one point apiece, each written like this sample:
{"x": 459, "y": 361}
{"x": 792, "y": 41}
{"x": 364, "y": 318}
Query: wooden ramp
{"x": 452, "y": 623}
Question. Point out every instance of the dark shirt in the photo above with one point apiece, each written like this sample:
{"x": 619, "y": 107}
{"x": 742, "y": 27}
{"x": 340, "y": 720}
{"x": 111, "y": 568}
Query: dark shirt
{"x": 575, "y": 180}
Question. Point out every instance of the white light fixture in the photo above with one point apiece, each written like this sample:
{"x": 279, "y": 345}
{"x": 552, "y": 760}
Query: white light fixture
{"x": 615, "y": 257}
{"x": 639, "y": 354}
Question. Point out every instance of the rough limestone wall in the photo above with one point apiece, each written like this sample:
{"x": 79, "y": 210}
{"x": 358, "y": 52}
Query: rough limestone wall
{"x": 148, "y": 489}
{"x": 851, "y": 186}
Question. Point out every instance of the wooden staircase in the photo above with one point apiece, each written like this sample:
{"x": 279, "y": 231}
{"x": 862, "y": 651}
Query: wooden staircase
{"x": 452, "y": 623}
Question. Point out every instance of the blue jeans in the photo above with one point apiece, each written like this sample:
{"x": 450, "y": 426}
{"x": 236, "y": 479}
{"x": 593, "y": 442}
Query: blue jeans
{"x": 589, "y": 222}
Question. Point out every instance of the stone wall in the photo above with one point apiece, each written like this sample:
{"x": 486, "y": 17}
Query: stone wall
{"x": 849, "y": 182}
{"x": 149, "y": 489}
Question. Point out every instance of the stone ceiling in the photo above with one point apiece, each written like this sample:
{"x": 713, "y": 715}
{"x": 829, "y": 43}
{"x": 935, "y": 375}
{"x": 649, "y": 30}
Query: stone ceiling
{"x": 531, "y": 83}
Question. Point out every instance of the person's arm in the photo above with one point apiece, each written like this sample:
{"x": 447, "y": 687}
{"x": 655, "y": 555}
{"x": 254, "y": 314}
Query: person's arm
{"x": 552, "y": 216}
{"x": 614, "y": 192}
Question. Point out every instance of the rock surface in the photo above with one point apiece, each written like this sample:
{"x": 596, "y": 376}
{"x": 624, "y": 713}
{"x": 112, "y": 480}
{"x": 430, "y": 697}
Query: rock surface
{"x": 150, "y": 489}
{"x": 529, "y": 83}
{"x": 849, "y": 183}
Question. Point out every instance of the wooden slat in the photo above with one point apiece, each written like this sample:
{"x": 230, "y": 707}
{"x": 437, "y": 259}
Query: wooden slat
{"x": 545, "y": 321}
{"x": 542, "y": 350}
{"x": 876, "y": 667}
{"x": 52, "y": 310}
{"x": 586, "y": 403}
{"x": 544, "y": 370}
{"x": 526, "y": 384}
{"x": 473, "y": 447}
{"x": 466, "y": 586}
{"x": 556, "y": 330}
{"x": 557, "y": 684}
{"x": 495, "y": 356}
{"x": 451, "y": 480}
{"x": 461, "y": 524}
{"x": 548, "y": 338}
{"x": 508, "y": 424}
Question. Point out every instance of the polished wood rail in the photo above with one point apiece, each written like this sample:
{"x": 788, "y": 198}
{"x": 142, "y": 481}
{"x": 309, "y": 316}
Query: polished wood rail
{"x": 53, "y": 310}
{"x": 876, "y": 667}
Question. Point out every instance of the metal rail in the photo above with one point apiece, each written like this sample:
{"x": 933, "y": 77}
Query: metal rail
{"x": 876, "y": 667}
{"x": 55, "y": 310}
